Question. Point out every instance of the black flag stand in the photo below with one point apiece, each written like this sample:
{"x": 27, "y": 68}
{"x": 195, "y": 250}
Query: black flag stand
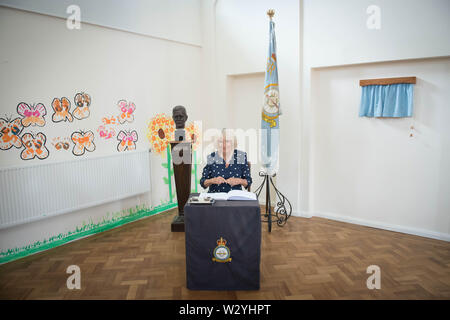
{"x": 283, "y": 208}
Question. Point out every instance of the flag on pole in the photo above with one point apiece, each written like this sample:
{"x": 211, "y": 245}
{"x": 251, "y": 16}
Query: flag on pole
{"x": 270, "y": 126}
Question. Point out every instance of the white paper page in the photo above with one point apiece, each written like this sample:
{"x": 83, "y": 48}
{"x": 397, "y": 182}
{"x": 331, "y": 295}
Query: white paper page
{"x": 241, "y": 195}
{"x": 214, "y": 195}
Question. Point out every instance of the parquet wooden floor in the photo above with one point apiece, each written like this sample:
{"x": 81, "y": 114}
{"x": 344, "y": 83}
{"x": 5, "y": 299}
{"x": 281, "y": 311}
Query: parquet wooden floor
{"x": 307, "y": 259}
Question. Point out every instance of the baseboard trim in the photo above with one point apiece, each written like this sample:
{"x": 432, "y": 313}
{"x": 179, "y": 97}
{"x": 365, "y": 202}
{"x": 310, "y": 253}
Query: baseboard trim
{"x": 384, "y": 226}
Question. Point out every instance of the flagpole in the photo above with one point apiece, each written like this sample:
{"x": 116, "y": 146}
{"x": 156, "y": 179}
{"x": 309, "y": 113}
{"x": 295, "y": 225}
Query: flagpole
{"x": 283, "y": 208}
{"x": 270, "y": 13}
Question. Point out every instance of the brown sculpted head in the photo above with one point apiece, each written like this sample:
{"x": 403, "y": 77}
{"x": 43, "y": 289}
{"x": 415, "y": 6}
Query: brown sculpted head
{"x": 179, "y": 116}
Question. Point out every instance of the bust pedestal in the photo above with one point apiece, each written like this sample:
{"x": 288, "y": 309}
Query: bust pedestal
{"x": 182, "y": 165}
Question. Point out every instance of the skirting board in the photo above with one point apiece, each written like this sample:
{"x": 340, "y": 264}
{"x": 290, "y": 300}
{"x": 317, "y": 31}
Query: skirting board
{"x": 384, "y": 226}
{"x": 374, "y": 224}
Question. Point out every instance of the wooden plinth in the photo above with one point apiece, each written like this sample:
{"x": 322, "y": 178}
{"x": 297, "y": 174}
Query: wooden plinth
{"x": 177, "y": 224}
{"x": 182, "y": 167}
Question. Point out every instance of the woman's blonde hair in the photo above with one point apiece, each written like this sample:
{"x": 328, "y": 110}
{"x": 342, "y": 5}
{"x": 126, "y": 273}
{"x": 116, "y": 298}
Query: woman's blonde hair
{"x": 228, "y": 134}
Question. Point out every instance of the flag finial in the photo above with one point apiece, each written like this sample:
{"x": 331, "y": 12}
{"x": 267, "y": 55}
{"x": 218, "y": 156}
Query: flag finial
{"x": 270, "y": 13}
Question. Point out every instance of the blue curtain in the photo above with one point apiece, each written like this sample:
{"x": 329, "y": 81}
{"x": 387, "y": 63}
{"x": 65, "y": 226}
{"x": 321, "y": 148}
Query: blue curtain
{"x": 393, "y": 100}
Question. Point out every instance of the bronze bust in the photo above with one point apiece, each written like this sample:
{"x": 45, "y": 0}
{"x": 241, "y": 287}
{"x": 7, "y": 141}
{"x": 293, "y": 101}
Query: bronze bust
{"x": 180, "y": 117}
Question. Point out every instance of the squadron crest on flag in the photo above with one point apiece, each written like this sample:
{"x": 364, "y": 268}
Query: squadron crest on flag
{"x": 271, "y": 107}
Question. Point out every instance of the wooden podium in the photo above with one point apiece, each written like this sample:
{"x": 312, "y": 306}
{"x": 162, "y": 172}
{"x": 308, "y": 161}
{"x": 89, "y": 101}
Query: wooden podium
{"x": 181, "y": 152}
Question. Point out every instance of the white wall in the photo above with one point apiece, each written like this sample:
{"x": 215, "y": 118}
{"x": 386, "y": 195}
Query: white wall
{"x": 175, "y": 20}
{"x": 341, "y": 153}
{"x": 336, "y": 32}
{"x": 243, "y": 101}
{"x": 241, "y": 46}
{"x": 369, "y": 170}
{"x": 42, "y": 59}
{"x": 311, "y": 34}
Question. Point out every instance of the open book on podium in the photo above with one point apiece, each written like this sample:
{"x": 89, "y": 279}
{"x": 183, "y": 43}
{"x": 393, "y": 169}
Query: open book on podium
{"x": 232, "y": 195}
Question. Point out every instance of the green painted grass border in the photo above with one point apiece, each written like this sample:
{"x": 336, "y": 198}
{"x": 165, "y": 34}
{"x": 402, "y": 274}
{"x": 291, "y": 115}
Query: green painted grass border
{"x": 86, "y": 230}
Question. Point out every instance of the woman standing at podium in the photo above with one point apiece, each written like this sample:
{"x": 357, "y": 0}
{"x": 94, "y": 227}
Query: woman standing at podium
{"x": 227, "y": 168}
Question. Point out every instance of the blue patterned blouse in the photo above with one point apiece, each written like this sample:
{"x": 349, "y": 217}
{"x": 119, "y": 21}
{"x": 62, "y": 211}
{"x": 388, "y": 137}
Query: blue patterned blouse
{"x": 238, "y": 168}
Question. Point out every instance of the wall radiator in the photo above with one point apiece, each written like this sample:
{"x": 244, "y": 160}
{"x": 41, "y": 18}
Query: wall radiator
{"x": 35, "y": 192}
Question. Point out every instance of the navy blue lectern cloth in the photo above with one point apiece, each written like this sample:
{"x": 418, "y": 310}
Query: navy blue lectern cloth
{"x": 223, "y": 245}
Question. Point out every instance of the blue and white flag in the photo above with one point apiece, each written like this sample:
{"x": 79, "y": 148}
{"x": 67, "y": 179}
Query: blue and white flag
{"x": 270, "y": 126}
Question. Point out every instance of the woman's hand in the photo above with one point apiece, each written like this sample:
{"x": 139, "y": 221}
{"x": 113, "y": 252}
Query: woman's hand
{"x": 216, "y": 180}
{"x": 236, "y": 181}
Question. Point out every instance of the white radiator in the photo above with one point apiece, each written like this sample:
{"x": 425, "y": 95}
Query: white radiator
{"x": 35, "y": 192}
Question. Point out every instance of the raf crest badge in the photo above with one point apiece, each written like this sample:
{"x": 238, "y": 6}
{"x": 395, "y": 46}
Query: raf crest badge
{"x": 221, "y": 252}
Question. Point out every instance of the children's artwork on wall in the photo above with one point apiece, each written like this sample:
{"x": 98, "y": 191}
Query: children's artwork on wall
{"x": 193, "y": 134}
{"x": 83, "y": 141}
{"x": 109, "y": 120}
{"x": 61, "y": 143}
{"x": 161, "y": 130}
{"x": 126, "y": 111}
{"x": 32, "y": 115}
{"x": 34, "y": 146}
{"x": 82, "y": 102}
{"x": 10, "y": 133}
{"x": 127, "y": 140}
{"x": 106, "y": 133}
{"x": 61, "y": 108}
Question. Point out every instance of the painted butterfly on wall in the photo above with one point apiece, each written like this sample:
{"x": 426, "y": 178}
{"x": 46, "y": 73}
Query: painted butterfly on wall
{"x": 61, "y": 143}
{"x": 83, "y": 141}
{"x": 61, "y": 108}
{"x": 32, "y": 115}
{"x": 34, "y": 146}
{"x": 9, "y": 133}
{"x": 126, "y": 111}
{"x": 109, "y": 120}
{"x": 127, "y": 140}
{"x": 106, "y": 133}
{"x": 82, "y": 101}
